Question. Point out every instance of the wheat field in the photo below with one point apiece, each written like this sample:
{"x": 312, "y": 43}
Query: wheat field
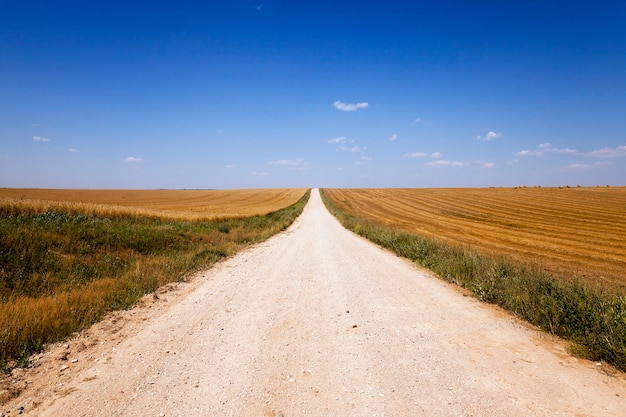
{"x": 170, "y": 204}
{"x": 566, "y": 232}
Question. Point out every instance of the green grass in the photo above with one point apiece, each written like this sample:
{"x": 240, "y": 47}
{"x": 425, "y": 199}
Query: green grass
{"x": 62, "y": 271}
{"x": 592, "y": 317}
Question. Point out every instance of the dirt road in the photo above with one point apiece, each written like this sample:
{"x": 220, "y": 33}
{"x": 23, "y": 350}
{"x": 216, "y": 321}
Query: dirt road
{"x": 316, "y": 321}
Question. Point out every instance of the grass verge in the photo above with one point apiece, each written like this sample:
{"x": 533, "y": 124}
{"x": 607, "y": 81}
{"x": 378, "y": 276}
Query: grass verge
{"x": 592, "y": 317}
{"x": 61, "y": 271}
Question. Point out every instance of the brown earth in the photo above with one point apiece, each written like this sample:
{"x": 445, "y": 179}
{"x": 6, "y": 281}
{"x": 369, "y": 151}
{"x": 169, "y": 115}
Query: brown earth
{"x": 315, "y": 321}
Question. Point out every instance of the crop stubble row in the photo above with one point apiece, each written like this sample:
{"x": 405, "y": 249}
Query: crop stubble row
{"x": 173, "y": 204}
{"x": 568, "y": 232}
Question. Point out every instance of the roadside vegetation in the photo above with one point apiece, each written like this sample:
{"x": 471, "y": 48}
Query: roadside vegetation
{"x": 590, "y": 313}
{"x": 64, "y": 266}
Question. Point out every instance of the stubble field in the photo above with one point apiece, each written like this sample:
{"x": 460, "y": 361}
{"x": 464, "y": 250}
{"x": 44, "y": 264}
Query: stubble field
{"x": 166, "y": 204}
{"x": 67, "y": 257}
{"x": 554, "y": 257}
{"x": 571, "y": 232}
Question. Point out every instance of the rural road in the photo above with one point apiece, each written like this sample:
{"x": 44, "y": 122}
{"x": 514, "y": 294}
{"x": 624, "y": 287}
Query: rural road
{"x": 317, "y": 321}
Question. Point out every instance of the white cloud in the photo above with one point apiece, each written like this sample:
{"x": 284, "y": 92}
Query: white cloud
{"x": 259, "y": 7}
{"x": 442, "y": 163}
{"x": 289, "y": 162}
{"x": 340, "y": 139}
{"x": 436, "y": 155}
{"x": 417, "y": 120}
{"x": 393, "y": 137}
{"x": 616, "y": 152}
{"x": 367, "y": 158}
{"x": 73, "y": 150}
{"x": 415, "y": 155}
{"x": 491, "y": 135}
{"x": 354, "y": 148}
{"x": 349, "y": 107}
{"x": 489, "y": 165}
{"x": 526, "y": 152}
{"x": 231, "y": 166}
{"x": 577, "y": 166}
{"x": 41, "y": 139}
{"x": 544, "y": 148}
{"x": 132, "y": 159}
{"x": 260, "y": 174}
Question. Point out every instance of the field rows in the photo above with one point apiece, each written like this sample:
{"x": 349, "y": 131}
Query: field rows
{"x": 173, "y": 204}
{"x": 578, "y": 231}
{"x": 67, "y": 257}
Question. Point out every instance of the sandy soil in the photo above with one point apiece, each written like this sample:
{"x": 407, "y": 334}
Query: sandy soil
{"x": 315, "y": 321}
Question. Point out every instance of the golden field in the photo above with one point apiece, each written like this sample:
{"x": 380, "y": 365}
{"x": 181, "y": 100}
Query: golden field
{"x": 171, "y": 204}
{"x": 566, "y": 232}
{"x": 67, "y": 257}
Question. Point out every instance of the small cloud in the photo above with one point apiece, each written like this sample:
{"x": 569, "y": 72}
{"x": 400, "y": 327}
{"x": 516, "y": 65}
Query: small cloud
{"x": 363, "y": 160}
{"x": 340, "y": 139}
{"x": 73, "y": 150}
{"x": 442, "y": 163}
{"x": 260, "y": 174}
{"x": 417, "y": 120}
{"x": 577, "y": 166}
{"x": 289, "y": 162}
{"x": 231, "y": 166}
{"x": 526, "y": 152}
{"x": 349, "y": 107}
{"x": 393, "y": 137}
{"x": 415, "y": 155}
{"x": 259, "y": 7}
{"x": 354, "y": 148}
{"x": 36, "y": 124}
{"x": 219, "y": 131}
{"x": 489, "y": 165}
{"x": 132, "y": 159}
{"x": 491, "y": 135}
{"x": 616, "y": 152}
{"x": 544, "y": 148}
{"x": 41, "y": 139}
{"x": 436, "y": 155}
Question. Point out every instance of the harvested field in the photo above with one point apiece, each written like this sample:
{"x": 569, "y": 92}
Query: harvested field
{"x": 172, "y": 204}
{"x": 63, "y": 265}
{"x": 567, "y": 232}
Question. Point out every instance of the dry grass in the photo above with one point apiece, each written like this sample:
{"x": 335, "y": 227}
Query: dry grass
{"x": 196, "y": 205}
{"x": 63, "y": 265}
{"x": 566, "y": 232}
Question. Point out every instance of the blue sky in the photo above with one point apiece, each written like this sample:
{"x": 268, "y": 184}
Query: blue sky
{"x": 247, "y": 94}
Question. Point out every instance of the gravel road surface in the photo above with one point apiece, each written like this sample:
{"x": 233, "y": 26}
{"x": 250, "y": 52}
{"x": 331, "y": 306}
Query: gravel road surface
{"x": 315, "y": 321}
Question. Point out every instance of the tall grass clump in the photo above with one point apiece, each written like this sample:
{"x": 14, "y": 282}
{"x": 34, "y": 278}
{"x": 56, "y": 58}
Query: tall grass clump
{"x": 593, "y": 317}
{"x": 61, "y": 271}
